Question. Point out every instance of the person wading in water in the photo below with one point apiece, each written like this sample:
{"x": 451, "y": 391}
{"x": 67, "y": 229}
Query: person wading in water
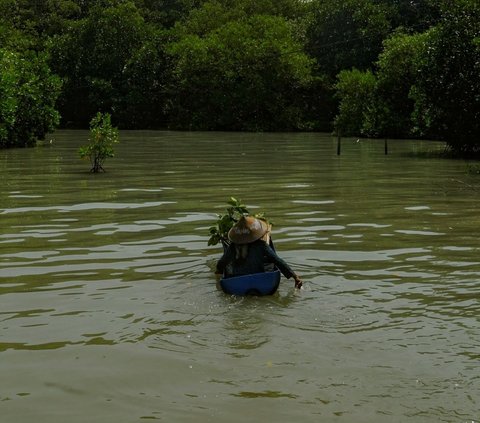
{"x": 249, "y": 253}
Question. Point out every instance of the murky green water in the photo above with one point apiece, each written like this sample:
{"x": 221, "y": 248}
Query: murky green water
{"x": 109, "y": 311}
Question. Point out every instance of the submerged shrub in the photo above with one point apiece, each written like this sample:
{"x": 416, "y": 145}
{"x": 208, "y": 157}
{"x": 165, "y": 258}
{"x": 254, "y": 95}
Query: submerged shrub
{"x": 102, "y": 137}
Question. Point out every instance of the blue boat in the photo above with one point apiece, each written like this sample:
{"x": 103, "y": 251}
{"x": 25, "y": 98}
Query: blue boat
{"x": 265, "y": 283}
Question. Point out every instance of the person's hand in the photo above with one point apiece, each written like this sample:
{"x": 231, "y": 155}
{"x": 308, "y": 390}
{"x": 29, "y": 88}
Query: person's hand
{"x": 298, "y": 282}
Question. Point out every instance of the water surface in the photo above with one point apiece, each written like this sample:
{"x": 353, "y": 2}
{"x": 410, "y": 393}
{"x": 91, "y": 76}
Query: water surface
{"x": 109, "y": 309}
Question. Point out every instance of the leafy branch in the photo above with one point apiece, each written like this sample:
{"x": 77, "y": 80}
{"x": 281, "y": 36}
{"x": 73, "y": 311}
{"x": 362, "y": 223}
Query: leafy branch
{"x": 219, "y": 232}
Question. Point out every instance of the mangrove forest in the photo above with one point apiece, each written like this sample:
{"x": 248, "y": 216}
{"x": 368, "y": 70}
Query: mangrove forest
{"x": 371, "y": 68}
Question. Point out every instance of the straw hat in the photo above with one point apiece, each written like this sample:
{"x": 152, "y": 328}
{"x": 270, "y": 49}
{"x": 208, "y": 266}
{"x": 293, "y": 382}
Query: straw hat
{"x": 247, "y": 230}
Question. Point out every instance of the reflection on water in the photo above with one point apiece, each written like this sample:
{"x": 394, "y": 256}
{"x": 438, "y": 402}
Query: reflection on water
{"x": 110, "y": 312}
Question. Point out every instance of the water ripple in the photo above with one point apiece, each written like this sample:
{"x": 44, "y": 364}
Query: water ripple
{"x": 85, "y": 206}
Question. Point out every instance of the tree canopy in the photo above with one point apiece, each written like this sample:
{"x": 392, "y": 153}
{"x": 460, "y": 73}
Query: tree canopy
{"x": 28, "y": 92}
{"x": 244, "y": 75}
{"x": 365, "y": 67}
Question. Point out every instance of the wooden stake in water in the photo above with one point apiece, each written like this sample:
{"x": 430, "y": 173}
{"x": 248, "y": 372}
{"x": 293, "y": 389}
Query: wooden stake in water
{"x": 339, "y": 144}
{"x": 386, "y": 147}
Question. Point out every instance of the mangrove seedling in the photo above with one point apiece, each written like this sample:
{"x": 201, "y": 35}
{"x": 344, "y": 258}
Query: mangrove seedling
{"x": 219, "y": 232}
{"x": 102, "y": 138}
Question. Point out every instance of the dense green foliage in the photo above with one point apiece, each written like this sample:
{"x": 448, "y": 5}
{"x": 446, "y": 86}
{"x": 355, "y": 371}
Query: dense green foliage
{"x": 425, "y": 84}
{"x": 242, "y": 76}
{"x": 346, "y": 34}
{"x": 102, "y": 138}
{"x": 381, "y": 68}
{"x": 28, "y": 92}
{"x": 447, "y": 93}
{"x": 91, "y": 58}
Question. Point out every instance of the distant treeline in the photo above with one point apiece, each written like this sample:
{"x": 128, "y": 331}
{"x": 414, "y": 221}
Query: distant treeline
{"x": 380, "y": 68}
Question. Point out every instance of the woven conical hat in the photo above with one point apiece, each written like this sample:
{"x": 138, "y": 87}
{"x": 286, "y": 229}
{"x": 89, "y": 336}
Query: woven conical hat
{"x": 247, "y": 230}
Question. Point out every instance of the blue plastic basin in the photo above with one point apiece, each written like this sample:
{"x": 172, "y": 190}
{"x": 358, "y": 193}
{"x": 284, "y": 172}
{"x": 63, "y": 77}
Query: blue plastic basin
{"x": 265, "y": 283}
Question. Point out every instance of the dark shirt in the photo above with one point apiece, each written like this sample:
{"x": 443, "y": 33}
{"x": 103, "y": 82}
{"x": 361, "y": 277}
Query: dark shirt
{"x": 259, "y": 254}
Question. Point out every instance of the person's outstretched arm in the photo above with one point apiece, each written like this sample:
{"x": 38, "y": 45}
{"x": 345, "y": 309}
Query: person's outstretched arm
{"x": 286, "y": 270}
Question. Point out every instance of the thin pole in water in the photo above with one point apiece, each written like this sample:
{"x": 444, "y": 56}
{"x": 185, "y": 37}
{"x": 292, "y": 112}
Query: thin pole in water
{"x": 339, "y": 143}
{"x": 386, "y": 147}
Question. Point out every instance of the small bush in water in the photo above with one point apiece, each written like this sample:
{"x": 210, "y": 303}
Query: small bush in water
{"x": 102, "y": 137}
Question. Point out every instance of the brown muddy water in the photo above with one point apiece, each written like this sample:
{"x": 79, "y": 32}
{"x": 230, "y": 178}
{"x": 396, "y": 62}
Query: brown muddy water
{"x": 109, "y": 309}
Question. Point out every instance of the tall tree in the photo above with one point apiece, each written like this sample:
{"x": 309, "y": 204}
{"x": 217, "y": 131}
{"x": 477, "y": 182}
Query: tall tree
{"x": 147, "y": 85}
{"x": 38, "y": 20}
{"x": 165, "y": 13}
{"x": 447, "y": 88}
{"x": 396, "y": 73}
{"x": 412, "y": 15}
{"x": 244, "y": 75}
{"x": 355, "y": 90}
{"x": 345, "y": 34}
{"x": 92, "y": 56}
{"x": 28, "y": 92}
